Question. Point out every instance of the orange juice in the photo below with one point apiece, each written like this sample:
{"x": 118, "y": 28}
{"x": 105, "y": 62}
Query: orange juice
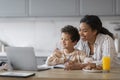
{"x": 106, "y": 63}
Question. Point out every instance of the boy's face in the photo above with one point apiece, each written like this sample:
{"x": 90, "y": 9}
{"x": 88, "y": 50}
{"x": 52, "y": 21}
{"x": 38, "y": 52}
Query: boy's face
{"x": 66, "y": 41}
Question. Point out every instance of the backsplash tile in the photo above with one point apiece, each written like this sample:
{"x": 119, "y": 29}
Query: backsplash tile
{"x": 41, "y": 34}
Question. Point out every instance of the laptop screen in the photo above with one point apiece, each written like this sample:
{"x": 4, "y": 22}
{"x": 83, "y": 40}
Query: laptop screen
{"x": 21, "y": 58}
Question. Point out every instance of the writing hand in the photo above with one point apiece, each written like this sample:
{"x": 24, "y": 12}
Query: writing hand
{"x": 57, "y": 53}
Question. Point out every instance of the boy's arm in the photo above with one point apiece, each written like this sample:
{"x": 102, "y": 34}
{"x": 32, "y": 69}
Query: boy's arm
{"x": 56, "y": 58}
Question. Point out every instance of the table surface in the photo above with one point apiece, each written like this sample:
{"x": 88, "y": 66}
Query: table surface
{"x": 61, "y": 74}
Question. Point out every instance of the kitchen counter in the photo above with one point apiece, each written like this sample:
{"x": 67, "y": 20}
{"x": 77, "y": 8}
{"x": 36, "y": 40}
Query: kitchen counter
{"x": 61, "y": 74}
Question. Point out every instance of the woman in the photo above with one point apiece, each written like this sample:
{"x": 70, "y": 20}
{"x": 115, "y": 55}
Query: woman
{"x": 96, "y": 41}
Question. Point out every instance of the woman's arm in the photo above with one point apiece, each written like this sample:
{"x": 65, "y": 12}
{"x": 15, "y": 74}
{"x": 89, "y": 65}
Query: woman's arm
{"x": 78, "y": 66}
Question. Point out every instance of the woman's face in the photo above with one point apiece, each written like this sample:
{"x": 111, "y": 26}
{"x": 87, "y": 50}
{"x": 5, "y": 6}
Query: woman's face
{"x": 86, "y": 33}
{"x": 66, "y": 41}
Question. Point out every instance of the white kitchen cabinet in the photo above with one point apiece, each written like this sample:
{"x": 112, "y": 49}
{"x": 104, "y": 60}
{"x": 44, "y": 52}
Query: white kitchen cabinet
{"x": 58, "y": 8}
{"x": 53, "y": 8}
{"x": 11, "y": 8}
{"x": 97, "y": 7}
{"x": 117, "y": 7}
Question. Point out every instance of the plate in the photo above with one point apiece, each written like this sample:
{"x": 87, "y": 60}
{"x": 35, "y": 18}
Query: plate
{"x": 93, "y": 71}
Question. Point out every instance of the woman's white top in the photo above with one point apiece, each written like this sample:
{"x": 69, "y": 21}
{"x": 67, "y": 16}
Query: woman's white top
{"x": 103, "y": 46}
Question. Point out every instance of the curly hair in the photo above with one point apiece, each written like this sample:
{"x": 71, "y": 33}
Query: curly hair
{"x": 73, "y": 31}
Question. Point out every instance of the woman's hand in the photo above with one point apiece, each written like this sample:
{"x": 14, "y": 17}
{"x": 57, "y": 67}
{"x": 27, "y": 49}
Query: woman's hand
{"x": 88, "y": 60}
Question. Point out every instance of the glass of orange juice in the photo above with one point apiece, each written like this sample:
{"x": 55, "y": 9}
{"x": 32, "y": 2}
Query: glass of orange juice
{"x": 106, "y": 63}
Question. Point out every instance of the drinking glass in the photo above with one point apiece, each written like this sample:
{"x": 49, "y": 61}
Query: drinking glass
{"x": 106, "y": 63}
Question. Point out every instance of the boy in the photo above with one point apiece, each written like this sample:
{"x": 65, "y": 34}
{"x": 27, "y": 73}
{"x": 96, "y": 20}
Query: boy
{"x": 69, "y": 38}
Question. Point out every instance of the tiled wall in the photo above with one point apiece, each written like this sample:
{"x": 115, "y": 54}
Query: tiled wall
{"x": 42, "y": 34}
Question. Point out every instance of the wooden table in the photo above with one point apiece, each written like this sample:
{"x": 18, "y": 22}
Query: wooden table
{"x": 60, "y": 74}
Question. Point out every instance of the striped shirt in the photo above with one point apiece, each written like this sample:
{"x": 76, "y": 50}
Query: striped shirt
{"x": 104, "y": 45}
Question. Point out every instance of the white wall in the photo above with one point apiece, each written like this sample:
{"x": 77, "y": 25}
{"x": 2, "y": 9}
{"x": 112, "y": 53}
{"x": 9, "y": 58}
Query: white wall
{"x": 41, "y": 33}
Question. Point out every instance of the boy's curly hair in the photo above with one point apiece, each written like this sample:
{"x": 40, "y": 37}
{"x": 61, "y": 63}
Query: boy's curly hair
{"x": 73, "y": 31}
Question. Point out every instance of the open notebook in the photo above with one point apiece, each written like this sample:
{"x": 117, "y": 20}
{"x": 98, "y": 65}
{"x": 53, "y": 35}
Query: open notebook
{"x": 23, "y": 58}
{"x": 56, "y": 66}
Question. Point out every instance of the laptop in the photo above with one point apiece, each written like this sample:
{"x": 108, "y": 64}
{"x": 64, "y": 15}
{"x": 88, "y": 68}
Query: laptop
{"x": 22, "y": 58}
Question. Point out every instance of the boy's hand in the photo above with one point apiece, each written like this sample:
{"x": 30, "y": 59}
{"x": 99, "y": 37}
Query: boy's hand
{"x": 74, "y": 65}
{"x": 57, "y": 53}
{"x": 69, "y": 65}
